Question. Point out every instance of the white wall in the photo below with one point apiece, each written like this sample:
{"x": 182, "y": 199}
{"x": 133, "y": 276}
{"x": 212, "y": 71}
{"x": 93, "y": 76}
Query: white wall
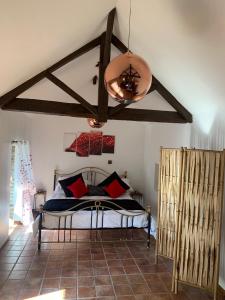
{"x": 12, "y": 126}
{"x": 210, "y": 134}
{"x": 157, "y": 135}
{"x": 46, "y": 136}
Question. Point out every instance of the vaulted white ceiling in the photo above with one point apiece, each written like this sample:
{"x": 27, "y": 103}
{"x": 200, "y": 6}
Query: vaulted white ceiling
{"x": 182, "y": 40}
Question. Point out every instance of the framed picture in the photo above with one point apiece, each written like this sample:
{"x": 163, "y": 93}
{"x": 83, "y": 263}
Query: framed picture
{"x": 89, "y": 143}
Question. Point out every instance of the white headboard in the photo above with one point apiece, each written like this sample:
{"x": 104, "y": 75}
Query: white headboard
{"x": 93, "y": 174}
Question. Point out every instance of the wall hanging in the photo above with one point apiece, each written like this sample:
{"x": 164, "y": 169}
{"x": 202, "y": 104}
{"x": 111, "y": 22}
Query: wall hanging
{"x": 89, "y": 143}
{"x": 191, "y": 187}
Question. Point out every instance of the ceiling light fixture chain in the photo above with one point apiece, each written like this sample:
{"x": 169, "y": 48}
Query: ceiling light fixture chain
{"x": 128, "y": 42}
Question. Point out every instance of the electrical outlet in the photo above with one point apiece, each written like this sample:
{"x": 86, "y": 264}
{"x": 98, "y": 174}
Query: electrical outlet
{"x": 109, "y": 162}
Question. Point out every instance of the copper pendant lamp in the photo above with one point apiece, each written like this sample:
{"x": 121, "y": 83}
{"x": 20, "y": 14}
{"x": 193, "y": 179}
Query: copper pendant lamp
{"x": 128, "y": 77}
{"x": 95, "y": 123}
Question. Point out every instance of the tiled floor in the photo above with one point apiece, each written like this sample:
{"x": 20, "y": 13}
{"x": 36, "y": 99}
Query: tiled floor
{"x": 85, "y": 271}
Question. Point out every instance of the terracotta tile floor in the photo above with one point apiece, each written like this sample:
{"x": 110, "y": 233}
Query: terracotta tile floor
{"x": 85, "y": 271}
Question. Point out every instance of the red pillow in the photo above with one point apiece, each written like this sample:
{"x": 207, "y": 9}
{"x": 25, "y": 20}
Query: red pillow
{"x": 78, "y": 188}
{"x": 114, "y": 189}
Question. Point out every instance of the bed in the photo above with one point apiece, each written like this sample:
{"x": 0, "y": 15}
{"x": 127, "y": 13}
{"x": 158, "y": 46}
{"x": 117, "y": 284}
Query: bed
{"x": 94, "y": 213}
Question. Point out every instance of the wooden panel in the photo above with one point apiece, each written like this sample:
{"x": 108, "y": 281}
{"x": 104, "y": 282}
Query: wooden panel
{"x": 198, "y": 235}
{"x": 168, "y": 201}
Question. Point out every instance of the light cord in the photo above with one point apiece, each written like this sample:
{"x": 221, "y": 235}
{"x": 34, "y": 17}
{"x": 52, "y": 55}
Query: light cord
{"x": 128, "y": 43}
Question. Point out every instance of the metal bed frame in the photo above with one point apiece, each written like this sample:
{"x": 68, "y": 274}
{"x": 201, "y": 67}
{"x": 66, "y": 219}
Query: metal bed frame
{"x": 65, "y": 218}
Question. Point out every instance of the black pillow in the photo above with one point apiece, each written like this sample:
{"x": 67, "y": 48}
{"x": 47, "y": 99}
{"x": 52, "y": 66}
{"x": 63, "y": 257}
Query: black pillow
{"x": 68, "y": 181}
{"x": 112, "y": 177}
{"x": 96, "y": 191}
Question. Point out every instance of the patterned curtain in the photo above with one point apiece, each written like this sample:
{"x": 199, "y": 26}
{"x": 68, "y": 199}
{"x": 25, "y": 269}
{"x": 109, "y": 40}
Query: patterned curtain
{"x": 23, "y": 187}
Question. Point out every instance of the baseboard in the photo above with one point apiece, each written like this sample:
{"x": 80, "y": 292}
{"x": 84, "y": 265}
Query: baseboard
{"x": 221, "y": 291}
{"x": 4, "y": 243}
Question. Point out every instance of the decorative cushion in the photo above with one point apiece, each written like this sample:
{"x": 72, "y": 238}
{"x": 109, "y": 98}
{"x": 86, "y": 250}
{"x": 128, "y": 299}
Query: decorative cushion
{"x": 68, "y": 181}
{"x": 78, "y": 188}
{"x": 96, "y": 191}
{"x": 112, "y": 177}
{"x": 114, "y": 189}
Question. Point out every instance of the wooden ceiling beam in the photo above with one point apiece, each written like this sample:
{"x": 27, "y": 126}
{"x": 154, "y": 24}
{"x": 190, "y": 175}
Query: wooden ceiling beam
{"x": 148, "y": 115}
{"x": 72, "y": 93}
{"x": 6, "y": 98}
{"x": 48, "y": 107}
{"x": 173, "y": 101}
{"x": 77, "y": 110}
{"x": 157, "y": 86}
{"x": 118, "y": 44}
{"x": 105, "y": 53}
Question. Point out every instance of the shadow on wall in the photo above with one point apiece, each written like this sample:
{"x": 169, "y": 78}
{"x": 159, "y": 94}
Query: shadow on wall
{"x": 213, "y": 139}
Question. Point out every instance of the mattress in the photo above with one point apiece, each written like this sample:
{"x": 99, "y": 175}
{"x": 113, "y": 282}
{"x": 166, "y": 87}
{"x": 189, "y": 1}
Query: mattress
{"x": 132, "y": 213}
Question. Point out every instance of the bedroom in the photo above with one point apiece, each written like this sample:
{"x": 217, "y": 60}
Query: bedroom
{"x": 42, "y": 37}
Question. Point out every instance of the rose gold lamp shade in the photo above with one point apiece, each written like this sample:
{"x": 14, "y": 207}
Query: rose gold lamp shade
{"x": 128, "y": 78}
{"x": 95, "y": 123}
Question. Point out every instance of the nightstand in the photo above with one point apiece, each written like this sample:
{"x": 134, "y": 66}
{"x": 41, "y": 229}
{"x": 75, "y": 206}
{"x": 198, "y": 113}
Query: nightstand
{"x": 39, "y": 198}
{"x": 138, "y": 197}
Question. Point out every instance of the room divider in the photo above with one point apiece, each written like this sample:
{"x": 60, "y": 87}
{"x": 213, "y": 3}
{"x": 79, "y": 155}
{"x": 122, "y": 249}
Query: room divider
{"x": 190, "y": 200}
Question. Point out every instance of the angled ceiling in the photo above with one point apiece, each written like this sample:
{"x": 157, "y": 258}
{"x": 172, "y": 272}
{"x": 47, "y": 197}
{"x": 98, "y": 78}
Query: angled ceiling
{"x": 183, "y": 41}
{"x": 102, "y": 112}
{"x": 37, "y": 34}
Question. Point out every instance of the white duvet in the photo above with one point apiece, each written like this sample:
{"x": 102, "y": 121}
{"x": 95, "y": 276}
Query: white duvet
{"x": 82, "y": 219}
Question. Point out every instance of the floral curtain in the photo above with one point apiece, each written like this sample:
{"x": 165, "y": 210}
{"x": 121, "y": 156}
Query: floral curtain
{"x": 23, "y": 187}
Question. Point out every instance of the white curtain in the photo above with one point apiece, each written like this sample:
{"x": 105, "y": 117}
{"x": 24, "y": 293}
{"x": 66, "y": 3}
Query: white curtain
{"x": 23, "y": 188}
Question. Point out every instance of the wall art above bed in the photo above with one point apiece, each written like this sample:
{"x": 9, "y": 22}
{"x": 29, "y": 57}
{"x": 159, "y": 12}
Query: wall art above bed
{"x": 89, "y": 143}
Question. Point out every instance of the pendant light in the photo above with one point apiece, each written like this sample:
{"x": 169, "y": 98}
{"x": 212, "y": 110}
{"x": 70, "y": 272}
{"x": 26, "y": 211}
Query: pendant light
{"x": 128, "y": 77}
{"x": 95, "y": 123}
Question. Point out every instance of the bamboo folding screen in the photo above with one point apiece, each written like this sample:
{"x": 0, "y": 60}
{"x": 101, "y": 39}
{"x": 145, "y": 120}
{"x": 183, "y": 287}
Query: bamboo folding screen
{"x": 169, "y": 189}
{"x": 191, "y": 234}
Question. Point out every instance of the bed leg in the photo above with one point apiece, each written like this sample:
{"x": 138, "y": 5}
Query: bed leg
{"x": 39, "y": 232}
{"x": 149, "y": 226}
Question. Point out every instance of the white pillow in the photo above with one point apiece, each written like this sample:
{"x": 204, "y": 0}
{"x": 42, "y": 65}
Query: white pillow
{"x": 58, "y": 188}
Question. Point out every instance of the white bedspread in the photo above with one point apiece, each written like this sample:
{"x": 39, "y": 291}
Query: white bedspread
{"x": 82, "y": 219}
